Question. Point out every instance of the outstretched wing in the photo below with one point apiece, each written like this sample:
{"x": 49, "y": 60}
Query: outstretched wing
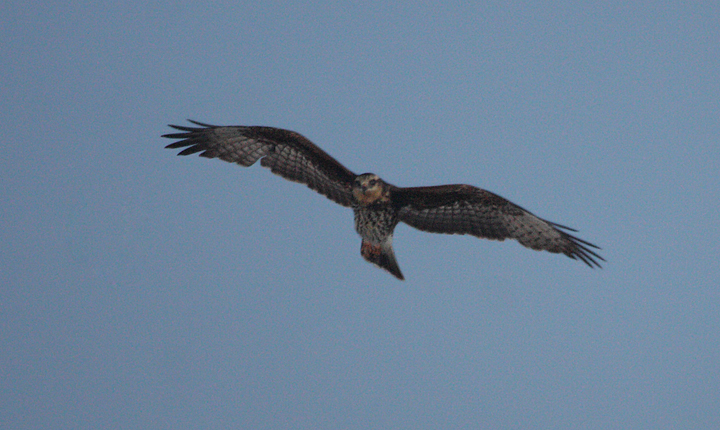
{"x": 464, "y": 209}
{"x": 285, "y": 153}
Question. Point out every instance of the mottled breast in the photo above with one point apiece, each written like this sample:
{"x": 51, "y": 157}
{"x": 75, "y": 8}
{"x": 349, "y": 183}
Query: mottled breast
{"x": 375, "y": 223}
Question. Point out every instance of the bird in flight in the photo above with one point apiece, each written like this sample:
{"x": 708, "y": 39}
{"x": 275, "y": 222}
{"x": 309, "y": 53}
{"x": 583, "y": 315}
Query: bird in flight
{"x": 378, "y": 205}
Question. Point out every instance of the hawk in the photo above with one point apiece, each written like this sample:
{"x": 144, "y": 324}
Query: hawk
{"x": 379, "y": 206}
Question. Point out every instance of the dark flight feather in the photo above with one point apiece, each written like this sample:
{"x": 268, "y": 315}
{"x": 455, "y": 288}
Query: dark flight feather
{"x": 285, "y": 153}
{"x": 464, "y": 209}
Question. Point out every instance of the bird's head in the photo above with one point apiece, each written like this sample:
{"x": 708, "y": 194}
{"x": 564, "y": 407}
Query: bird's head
{"x": 368, "y": 188}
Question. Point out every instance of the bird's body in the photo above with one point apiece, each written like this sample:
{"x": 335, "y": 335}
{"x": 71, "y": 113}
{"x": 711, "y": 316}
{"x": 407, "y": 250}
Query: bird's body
{"x": 379, "y": 206}
{"x": 375, "y": 221}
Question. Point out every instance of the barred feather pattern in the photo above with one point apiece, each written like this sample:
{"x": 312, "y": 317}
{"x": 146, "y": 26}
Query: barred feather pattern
{"x": 285, "y": 153}
{"x": 464, "y": 209}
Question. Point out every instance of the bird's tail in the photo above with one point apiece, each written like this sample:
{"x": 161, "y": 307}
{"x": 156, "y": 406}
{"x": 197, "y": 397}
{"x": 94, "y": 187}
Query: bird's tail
{"x": 382, "y": 256}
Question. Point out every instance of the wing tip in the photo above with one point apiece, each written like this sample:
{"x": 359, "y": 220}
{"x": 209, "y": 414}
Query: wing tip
{"x": 579, "y": 249}
{"x": 201, "y": 124}
{"x": 190, "y": 137}
{"x": 188, "y": 129}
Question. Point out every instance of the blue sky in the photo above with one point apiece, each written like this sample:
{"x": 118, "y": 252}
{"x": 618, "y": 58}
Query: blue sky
{"x": 143, "y": 290}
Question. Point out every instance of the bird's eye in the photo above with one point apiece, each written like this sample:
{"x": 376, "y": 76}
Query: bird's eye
{"x": 373, "y": 182}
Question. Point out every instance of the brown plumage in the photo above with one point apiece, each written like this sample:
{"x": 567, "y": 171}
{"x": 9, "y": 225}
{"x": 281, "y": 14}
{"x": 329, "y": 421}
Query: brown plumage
{"x": 379, "y": 206}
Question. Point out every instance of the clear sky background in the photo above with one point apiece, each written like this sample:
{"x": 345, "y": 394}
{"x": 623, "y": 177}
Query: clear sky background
{"x": 143, "y": 290}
